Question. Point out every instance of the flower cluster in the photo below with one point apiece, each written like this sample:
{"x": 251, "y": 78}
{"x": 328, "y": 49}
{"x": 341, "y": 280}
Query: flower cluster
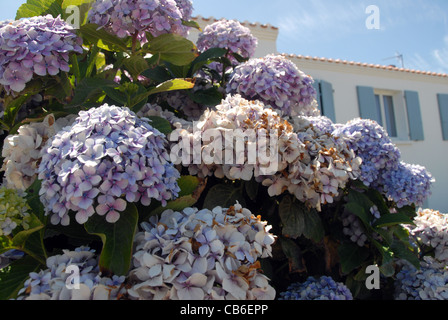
{"x": 325, "y": 167}
{"x": 22, "y": 151}
{"x": 108, "y": 154}
{"x": 51, "y": 284}
{"x": 128, "y": 17}
{"x": 230, "y": 35}
{"x": 324, "y": 288}
{"x": 430, "y": 282}
{"x": 38, "y": 45}
{"x": 372, "y": 143}
{"x": 277, "y": 82}
{"x": 431, "y": 230}
{"x": 13, "y": 211}
{"x": 249, "y": 140}
{"x": 408, "y": 185}
{"x": 202, "y": 254}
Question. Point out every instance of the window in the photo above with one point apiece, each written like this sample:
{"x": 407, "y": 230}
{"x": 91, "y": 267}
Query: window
{"x": 397, "y": 111}
{"x": 443, "y": 109}
{"x": 385, "y": 107}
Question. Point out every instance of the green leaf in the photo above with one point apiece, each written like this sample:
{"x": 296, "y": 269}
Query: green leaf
{"x": 88, "y": 88}
{"x": 19, "y": 239}
{"x": 83, "y": 5}
{"x": 116, "y": 94}
{"x": 206, "y": 57}
{"x": 208, "y": 97}
{"x": 191, "y": 24}
{"x": 158, "y": 74}
{"x": 298, "y": 220}
{"x": 61, "y": 89}
{"x": 360, "y": 212}
{"x": 351, "y": 256}
{"x": 252, "y": 188}
{"x": 401, "y": 251}
{"x": 223, "y": 195}
{"x": 188, "y": 185}
{"x": 171, "y": 85}
{"x": 387, "y": 259}
{"x": 33, "y": 8}
{"x": 191, "y": 189}
{"x": 173, "y": 48}
{"x": 161, "y": 124}
{"x": 136, "y": 65}
{"x": 294, "y": 255}
{"x": 103, "y": 39}
{"x": 117, "y": 238}
{"x": 13, "y": 277}
{"x": 392, "y": 219}
{"x": 292, "y": 217}
{"x": 12, "y": 107}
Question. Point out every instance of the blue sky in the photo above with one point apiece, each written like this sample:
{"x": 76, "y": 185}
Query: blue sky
{"x": 417, "y": 29}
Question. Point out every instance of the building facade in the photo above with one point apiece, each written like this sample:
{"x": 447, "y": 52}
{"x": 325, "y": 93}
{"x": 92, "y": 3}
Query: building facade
{"x": 411, "y": 105}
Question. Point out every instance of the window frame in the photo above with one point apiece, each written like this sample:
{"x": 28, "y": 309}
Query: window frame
{"x": 399, "y": 110}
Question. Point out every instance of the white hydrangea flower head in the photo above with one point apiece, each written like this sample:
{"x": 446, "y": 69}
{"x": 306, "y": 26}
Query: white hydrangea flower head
{"x": 431, "y": 230}
{"x": 22, "y": 151}
{"x": 202, "y": 255}
{"x": 240, "y": 121}
{"x": 51, "y": 283}
{"x": 326, "y": 166}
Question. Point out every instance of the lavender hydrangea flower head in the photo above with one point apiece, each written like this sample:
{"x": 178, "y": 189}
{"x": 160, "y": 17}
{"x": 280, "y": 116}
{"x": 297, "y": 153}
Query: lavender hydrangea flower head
{"x": 372, "y": 143}
{"x": 202, "y": 254}
{"x": 127, "y": 17}
{"x": 230, "y": 35}
{"x": 107, "y": 157}
{"x": 277, "y": 82}
{"x": 408, "y": 185}
{"x": 37, "y": 45}
{"x": 50, "y": 284}
{"x": 324, "y": 288}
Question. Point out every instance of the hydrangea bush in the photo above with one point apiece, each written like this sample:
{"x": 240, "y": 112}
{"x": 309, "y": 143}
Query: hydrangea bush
{"x": 127, "y": 156}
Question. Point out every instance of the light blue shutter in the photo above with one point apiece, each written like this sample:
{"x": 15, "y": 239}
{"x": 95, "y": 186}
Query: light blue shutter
{"x": 414, "y": 116}
{"x": 367, "y": 104}
{"x": 443, "y": 109}
{"x": 316, "y": 86}
{"x": 327, "y": 98}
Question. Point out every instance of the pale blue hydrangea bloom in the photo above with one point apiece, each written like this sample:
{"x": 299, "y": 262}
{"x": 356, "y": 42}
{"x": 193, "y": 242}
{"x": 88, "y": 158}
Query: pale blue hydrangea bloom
{"x": 52, "y": 283}
{"x": 428, "y": 283}
{"x": 372, "y": 143}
